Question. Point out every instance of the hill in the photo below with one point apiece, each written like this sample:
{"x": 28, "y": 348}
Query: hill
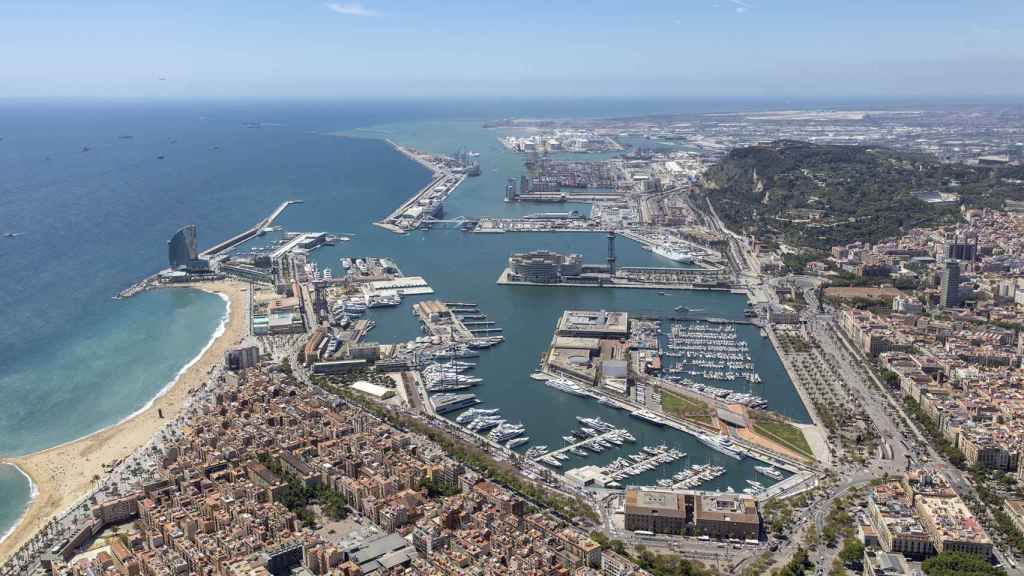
{"x": 816, "y": 195}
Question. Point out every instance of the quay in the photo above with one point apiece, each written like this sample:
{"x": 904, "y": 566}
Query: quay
{"x": 447, "y": 321}
{"x": 427, "y": 203}
{"x": 506, "y": 279}
{"x": 248, "y": 234}
{"x": 750, "y": 449}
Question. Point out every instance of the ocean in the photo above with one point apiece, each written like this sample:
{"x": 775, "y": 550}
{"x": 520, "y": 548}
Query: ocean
{"x": 96, "y": 189}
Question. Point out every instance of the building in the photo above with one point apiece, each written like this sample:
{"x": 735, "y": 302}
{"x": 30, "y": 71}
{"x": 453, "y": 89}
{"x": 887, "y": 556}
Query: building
{"x": 181, "y": 248}
{"x": 949, "y": 293}
{"x": 782, "y": 314}
{"x": 428, "y": 541}
{"x": 895, "y": 522}
{"x": 242, "y": 357}
{"x": 952, "y": 526}
{"x": 1015, "y": 510}
{"x": 885, "y": 564}
{"x": 375, "y": 390}
{"x": 593, "y": 324}
{"x": 716, "y": 514}
{"x": 544, "y": 267}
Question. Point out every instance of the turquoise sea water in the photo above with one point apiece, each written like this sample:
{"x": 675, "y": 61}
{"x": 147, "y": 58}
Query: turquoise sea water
{"x": 95, "y": 209}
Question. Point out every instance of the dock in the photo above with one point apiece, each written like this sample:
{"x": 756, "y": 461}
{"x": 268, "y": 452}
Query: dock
{"x": 580, "y": 444}
{"x": 448, "y": 321}
{"x": 426, "y": 204}
{"x": 248, "y": 234}
{"x": 632, "y": 278}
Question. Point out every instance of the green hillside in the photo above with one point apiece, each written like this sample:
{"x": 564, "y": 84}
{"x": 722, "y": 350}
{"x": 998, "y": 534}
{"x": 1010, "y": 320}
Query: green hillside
{"x": 818, "y": 195}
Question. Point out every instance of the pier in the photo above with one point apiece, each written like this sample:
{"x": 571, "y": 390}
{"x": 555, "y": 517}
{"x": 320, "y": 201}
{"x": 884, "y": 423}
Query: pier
{"x": 580, "y": 444}
{"x": 449, "y": 321}
{"x": 248, "y": 234}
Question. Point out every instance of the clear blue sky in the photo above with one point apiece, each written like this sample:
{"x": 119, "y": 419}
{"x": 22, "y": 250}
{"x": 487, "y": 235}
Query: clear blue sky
{"x": 524, "y": 48}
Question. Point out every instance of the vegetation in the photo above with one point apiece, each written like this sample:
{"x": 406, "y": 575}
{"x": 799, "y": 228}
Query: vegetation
{"x": 297, "y": 497}
{"x": 1009, "y": 530}
{"x": 817, "y": 196}
{"x": 931, "y": 429}
{"x": 796, "y": 263}
{"x": 657, "y": 564}
{"x": 777, "y": 515}
{"x": 959, "y": 564}
{"x": 436, "y": 489}
{"x": 667, "y": 564}
{"x": 838, "y": 523}
{"x": 796, "y": 566}
{"x": 686, "y": 408}
{"x": 852, "y": 554}
{"x": 777, "y": 429}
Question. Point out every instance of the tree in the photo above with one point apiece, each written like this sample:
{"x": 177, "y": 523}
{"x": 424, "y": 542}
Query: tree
{"x": 959, "y": 564}
{"x": 852, "y": 553}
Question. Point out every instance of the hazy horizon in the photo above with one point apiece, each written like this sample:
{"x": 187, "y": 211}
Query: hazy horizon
{"x": 396, "y": 50}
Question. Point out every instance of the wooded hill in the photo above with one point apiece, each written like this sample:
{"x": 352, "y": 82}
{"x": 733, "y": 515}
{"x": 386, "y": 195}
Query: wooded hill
{"x": 817, "y": 195}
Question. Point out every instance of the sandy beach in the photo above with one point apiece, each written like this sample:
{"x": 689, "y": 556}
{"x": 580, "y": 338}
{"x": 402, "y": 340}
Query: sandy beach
{"x": 65, "y": 473}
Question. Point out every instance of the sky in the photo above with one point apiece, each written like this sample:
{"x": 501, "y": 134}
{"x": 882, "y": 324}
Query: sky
{"x": 386, "y": 49}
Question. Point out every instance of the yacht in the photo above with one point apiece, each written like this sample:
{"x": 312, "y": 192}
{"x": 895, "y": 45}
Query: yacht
{"x": 648, "y": 416}
{"x": 506, "y": 432}
{"x": 722, "y": 444}
{"x": 517, "y": 442}
{"x": 452, "y": 402}
{"x": 769, "y": 471}
{"x": 565, "y": 385}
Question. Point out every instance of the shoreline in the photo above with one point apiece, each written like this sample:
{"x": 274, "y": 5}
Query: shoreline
{"x": 33, "y": 492}
{"x": 62, "y": 475}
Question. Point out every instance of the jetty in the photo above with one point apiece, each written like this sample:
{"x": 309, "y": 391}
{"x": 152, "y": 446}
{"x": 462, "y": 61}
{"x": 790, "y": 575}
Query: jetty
{"x": 243, "y": 237}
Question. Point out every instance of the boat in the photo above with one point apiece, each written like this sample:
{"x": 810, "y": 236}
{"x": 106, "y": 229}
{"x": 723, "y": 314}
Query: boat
{"x": 551, "y": 461}
{"x": 485, "y": 423}
{"x": 540, "y": 376}
{"x": 722, "y": 444}
{"x": 474, "y": 413}
{"x": 606, "y": 402}
{"x": 673, "y": 254}
{"x": 346, "y": 263}
{"x": 770, "y": 471}
{"x": 517, "y": 442}
{"x": 764, "y": 333}
{"x": 536, "y": 451}
{"x": 505, "y": 432}
{"x": 565, "y": 385}
{"x": 451, "y": 402}
{"x": 648, "y": 416}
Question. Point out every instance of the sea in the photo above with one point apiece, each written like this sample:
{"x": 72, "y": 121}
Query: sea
{"x": 93, "y": 191}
